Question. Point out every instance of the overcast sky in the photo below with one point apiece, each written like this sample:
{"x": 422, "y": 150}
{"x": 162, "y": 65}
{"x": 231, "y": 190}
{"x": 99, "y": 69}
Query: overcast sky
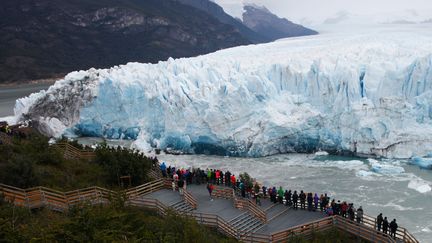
{"x": 317, "y": 10}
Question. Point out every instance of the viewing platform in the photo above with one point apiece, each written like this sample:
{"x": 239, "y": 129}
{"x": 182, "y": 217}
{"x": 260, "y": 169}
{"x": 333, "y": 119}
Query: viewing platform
{"x": 230, "y": 214}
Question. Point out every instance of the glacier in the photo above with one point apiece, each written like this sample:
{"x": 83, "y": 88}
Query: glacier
{"x": 365, "y": 92}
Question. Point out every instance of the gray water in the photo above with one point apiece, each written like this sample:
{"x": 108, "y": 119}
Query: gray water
{"x": 8, "y": 95}
{"x": 404, "y": 195}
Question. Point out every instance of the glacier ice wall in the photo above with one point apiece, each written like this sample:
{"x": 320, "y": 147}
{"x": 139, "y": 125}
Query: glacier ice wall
{"x": 369, "y": 93}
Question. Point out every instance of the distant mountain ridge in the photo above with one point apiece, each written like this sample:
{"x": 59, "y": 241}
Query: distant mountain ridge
{"x": 258, "y": 25}
{"x": 217, "y": 11}
{"x": 262, "y": 21}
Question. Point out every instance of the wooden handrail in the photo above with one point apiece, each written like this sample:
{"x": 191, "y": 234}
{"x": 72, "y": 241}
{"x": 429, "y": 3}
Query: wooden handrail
{"x": 190, "y": 199}
{"x": 251, "y": 207}
{"x": 361, "y": 230}
{"x": 307, "y": 229}
{"x": 72, "y": 152}
{"x": 240, "y": 203}
{"x": 223, "y": 192}
{"x": 37, "y": 197}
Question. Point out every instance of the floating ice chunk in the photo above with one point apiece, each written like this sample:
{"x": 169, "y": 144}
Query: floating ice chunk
{"x": 419, "y": 185}
{"x": 386, "y": 169}
{"x": 426, "y": 230}
{"x": 366, "y": 173}
{"x": 321, "y": 153}
{"x": 424, "y": 163}
{"x": 355, "y": 165}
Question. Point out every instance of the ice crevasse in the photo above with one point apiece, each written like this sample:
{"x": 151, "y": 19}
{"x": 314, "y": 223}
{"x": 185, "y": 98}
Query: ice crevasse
{"x": 368, "y": 93}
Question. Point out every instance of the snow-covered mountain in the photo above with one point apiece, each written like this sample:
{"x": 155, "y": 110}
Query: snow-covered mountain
{"x": 352, "y": 19}
{"x": 368, "y": 92}
{"x": 264, "y": 22}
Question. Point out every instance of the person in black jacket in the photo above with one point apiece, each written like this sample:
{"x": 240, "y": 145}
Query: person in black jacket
{"x": 302, "y": 200}
{"x": 180, "y": 185}
{"x": 385, "y": 225}
{"x": 288, "y": 198}
{"x": 227, "y": 178}
{"x": 379, "y": 221}
{"x": 309, "y": 201}
{"x": 295, "y": 200}
{"x": 393, "y": 228}
{"x": 351, "y": 213}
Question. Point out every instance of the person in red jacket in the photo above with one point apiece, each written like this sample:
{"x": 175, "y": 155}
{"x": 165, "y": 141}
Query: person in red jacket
{"x": 217, "y": 176}
{"x": 233, "y": 180}
{"x": 344, "y": 209}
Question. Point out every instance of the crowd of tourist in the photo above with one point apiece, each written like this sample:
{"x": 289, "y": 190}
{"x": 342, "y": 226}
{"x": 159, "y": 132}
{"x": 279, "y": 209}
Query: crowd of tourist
{"x": 246, "y": 188}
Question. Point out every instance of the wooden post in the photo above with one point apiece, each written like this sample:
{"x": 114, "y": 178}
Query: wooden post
{"x": 27, "y": 200}
{"x": 67, "y": 200}
{"x": 42, "y": 196}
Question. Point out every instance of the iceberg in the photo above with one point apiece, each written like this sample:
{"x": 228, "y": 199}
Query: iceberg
{"x": 387, "y": 169}
{"x": 367, "y": 93}
{"x": 420, "y": 185}
{"x": 424, "y": 163}
{"x": 321, "y": 153}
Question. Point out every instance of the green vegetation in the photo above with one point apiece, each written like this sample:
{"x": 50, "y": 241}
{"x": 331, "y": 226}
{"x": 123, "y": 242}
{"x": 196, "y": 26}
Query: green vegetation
{"x": 247, "y": 179}
{"x": 119, "y": 162}
{"x": 100, "y": 224}
{"x": 33, "y": 162}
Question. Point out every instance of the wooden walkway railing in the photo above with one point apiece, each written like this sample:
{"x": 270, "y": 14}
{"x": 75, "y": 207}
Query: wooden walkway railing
{"x": 223, "y": 192}
{"x": 149, "y": 203}
{"x": 361, "y": 230}
{"x": 146, "y": 188}
{"x": 70, "y": 152}
{"x": 306, "y": 230}
{"x": 240, "y": 203}
{"x": 37, "y": 197}
{"x": 251, "y": 207}
{"x": 190, "y": 199}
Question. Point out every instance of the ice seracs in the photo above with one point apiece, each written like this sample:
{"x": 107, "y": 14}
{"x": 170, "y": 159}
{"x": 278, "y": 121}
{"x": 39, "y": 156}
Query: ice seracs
{"x": 363, "y": 92}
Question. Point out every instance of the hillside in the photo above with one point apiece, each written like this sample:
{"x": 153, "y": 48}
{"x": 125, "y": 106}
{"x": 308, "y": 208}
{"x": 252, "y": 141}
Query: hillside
{"x": 46, "y": 38}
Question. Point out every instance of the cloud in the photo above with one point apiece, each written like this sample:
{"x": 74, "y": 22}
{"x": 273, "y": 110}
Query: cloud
{"x": 319, "y": 10}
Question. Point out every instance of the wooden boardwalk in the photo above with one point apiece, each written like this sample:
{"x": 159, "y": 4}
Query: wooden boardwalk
{"x": 229, "y": 214}
{"x": 281, "y": 217}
